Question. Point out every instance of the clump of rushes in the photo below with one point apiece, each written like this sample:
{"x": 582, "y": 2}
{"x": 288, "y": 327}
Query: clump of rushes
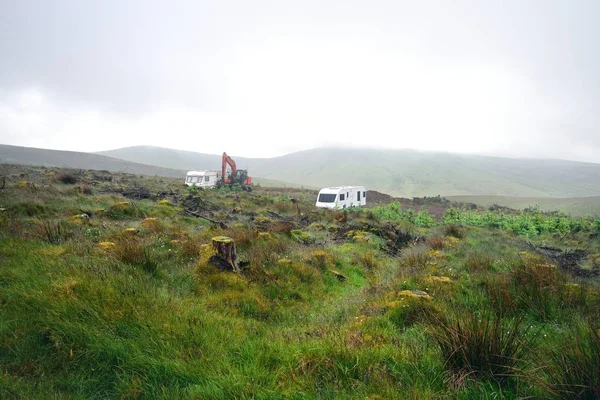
{"x": 481, "y": 345}
{"x": 131, "y": 251}
{"x": 436, "y": 243}
{"x": 453, "y": 230}
{"x": 320, "y": 259}
{"x": 478, "y": 261}
{"x": 574, "y": 367}
{"x": 415, "y": 260}
{"x": 368, "y": 259}
{"x": 539, "y": 285}
{"x": 53, "y": 231}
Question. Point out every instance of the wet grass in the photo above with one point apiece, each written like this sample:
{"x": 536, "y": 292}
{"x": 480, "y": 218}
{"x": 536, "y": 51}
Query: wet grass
{"x": 124, "y": 304}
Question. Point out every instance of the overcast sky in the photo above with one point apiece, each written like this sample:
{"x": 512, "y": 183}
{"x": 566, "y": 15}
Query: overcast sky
{"x": 264, "y": 78}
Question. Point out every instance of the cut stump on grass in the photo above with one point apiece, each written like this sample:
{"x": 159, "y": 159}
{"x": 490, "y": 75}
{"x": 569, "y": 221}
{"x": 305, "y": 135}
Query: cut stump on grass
{"x": 339, "y": 275}
{"x": 225, "y": 254}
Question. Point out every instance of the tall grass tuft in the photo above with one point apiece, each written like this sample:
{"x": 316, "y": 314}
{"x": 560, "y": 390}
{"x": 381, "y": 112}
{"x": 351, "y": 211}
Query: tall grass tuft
{"x": 481, "y": 346}
{"x": 414, "y": 260}
{"x": 368, "y": 259}
{"x": 454, "y": 231}
{"x": 478, "y": 261}
{"x": 574, "y": 368}
{"x": 436, "y": 243}
{"x": 540, "y": 286}
{"x": 133, "y": 252}
{"x": 52, "y": 231}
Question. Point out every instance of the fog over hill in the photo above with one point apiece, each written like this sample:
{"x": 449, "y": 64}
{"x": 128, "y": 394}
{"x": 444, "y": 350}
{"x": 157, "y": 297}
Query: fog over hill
{"x": 406, "y": 173}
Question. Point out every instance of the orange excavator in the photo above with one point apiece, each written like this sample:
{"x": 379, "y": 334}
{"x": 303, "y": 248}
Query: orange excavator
{"x": 239, "y": 176}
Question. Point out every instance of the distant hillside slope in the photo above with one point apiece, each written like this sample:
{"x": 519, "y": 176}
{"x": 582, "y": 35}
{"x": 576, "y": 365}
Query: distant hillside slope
{"x": 71, "y": 159}
{"x": 577, "y": 206}
{"x": 170, "y": 158}
{"x": 406, "y": 173}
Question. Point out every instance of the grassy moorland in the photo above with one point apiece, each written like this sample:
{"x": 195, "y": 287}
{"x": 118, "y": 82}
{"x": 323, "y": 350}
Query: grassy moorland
{"x": 107, "y": 292}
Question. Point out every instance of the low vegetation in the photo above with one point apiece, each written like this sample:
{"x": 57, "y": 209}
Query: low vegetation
{"x": 110, "y": 293}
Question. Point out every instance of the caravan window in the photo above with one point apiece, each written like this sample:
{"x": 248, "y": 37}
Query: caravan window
{"x": 364, "y": 194}
{"x": 206, "y": 178}
{"x": 327, "y": 197}
{"x": 342, "y": 197}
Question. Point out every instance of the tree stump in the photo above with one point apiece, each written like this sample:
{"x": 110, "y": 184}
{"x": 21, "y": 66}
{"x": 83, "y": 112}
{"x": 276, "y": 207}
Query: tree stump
{"x": 224, "y": 248}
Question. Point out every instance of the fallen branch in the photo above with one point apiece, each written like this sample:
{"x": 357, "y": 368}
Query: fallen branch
{"x": 197, "y": 215}
{"x": 341, "y": 277}
{"x": 281, "y": 217}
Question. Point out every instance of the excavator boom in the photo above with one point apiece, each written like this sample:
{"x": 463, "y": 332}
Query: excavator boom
{"x": 225, "y": 160}
{"x": 237, "y": 175}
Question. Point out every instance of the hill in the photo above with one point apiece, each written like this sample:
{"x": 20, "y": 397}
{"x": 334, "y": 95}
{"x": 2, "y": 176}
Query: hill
{"x": 72, "y": 159}
{"x": 574, "y": 205}
{"x": 406, "y": 173}
{"x": 170, "y": 158}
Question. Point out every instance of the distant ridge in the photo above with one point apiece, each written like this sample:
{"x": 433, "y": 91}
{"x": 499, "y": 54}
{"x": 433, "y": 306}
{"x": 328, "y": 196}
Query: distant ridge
{"x": 72, "y": 159}
{"x": 405, "y": 173}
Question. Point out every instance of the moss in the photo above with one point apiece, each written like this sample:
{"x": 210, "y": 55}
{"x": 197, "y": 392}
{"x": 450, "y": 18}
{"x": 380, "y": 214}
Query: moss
{"x": 302, "y": 237}
{"x": 438, "y": 279}
{"x": 130, "y": 231}
{"x": 414, "y": 294}
{"x": 286, "y": 262}
{"x": 107, "y": 245}
{"x": 54, "y": 251}
{"x": 264, "y": 236}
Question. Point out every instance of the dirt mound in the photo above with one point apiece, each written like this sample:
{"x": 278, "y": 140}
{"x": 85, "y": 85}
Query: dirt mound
{"x": 568, "y": 260}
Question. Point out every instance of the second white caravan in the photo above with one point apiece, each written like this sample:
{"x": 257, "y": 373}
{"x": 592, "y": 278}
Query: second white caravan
{"x": 341, "y": 197}
{"x": 203, "y": 179}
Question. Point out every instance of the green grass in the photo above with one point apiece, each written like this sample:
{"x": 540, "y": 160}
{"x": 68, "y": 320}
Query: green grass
{"x": 124, "y": 304}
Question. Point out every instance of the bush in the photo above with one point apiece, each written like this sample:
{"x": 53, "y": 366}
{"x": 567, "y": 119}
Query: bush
{"x": 67, "y": 179}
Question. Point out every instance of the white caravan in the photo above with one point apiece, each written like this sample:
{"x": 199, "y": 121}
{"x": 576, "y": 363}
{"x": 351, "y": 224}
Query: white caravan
{"x": 203, "y": 179}
{"x": 342, "y": 197}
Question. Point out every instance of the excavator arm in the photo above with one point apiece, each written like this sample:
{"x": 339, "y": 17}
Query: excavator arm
{"x": 225, "y": 160}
